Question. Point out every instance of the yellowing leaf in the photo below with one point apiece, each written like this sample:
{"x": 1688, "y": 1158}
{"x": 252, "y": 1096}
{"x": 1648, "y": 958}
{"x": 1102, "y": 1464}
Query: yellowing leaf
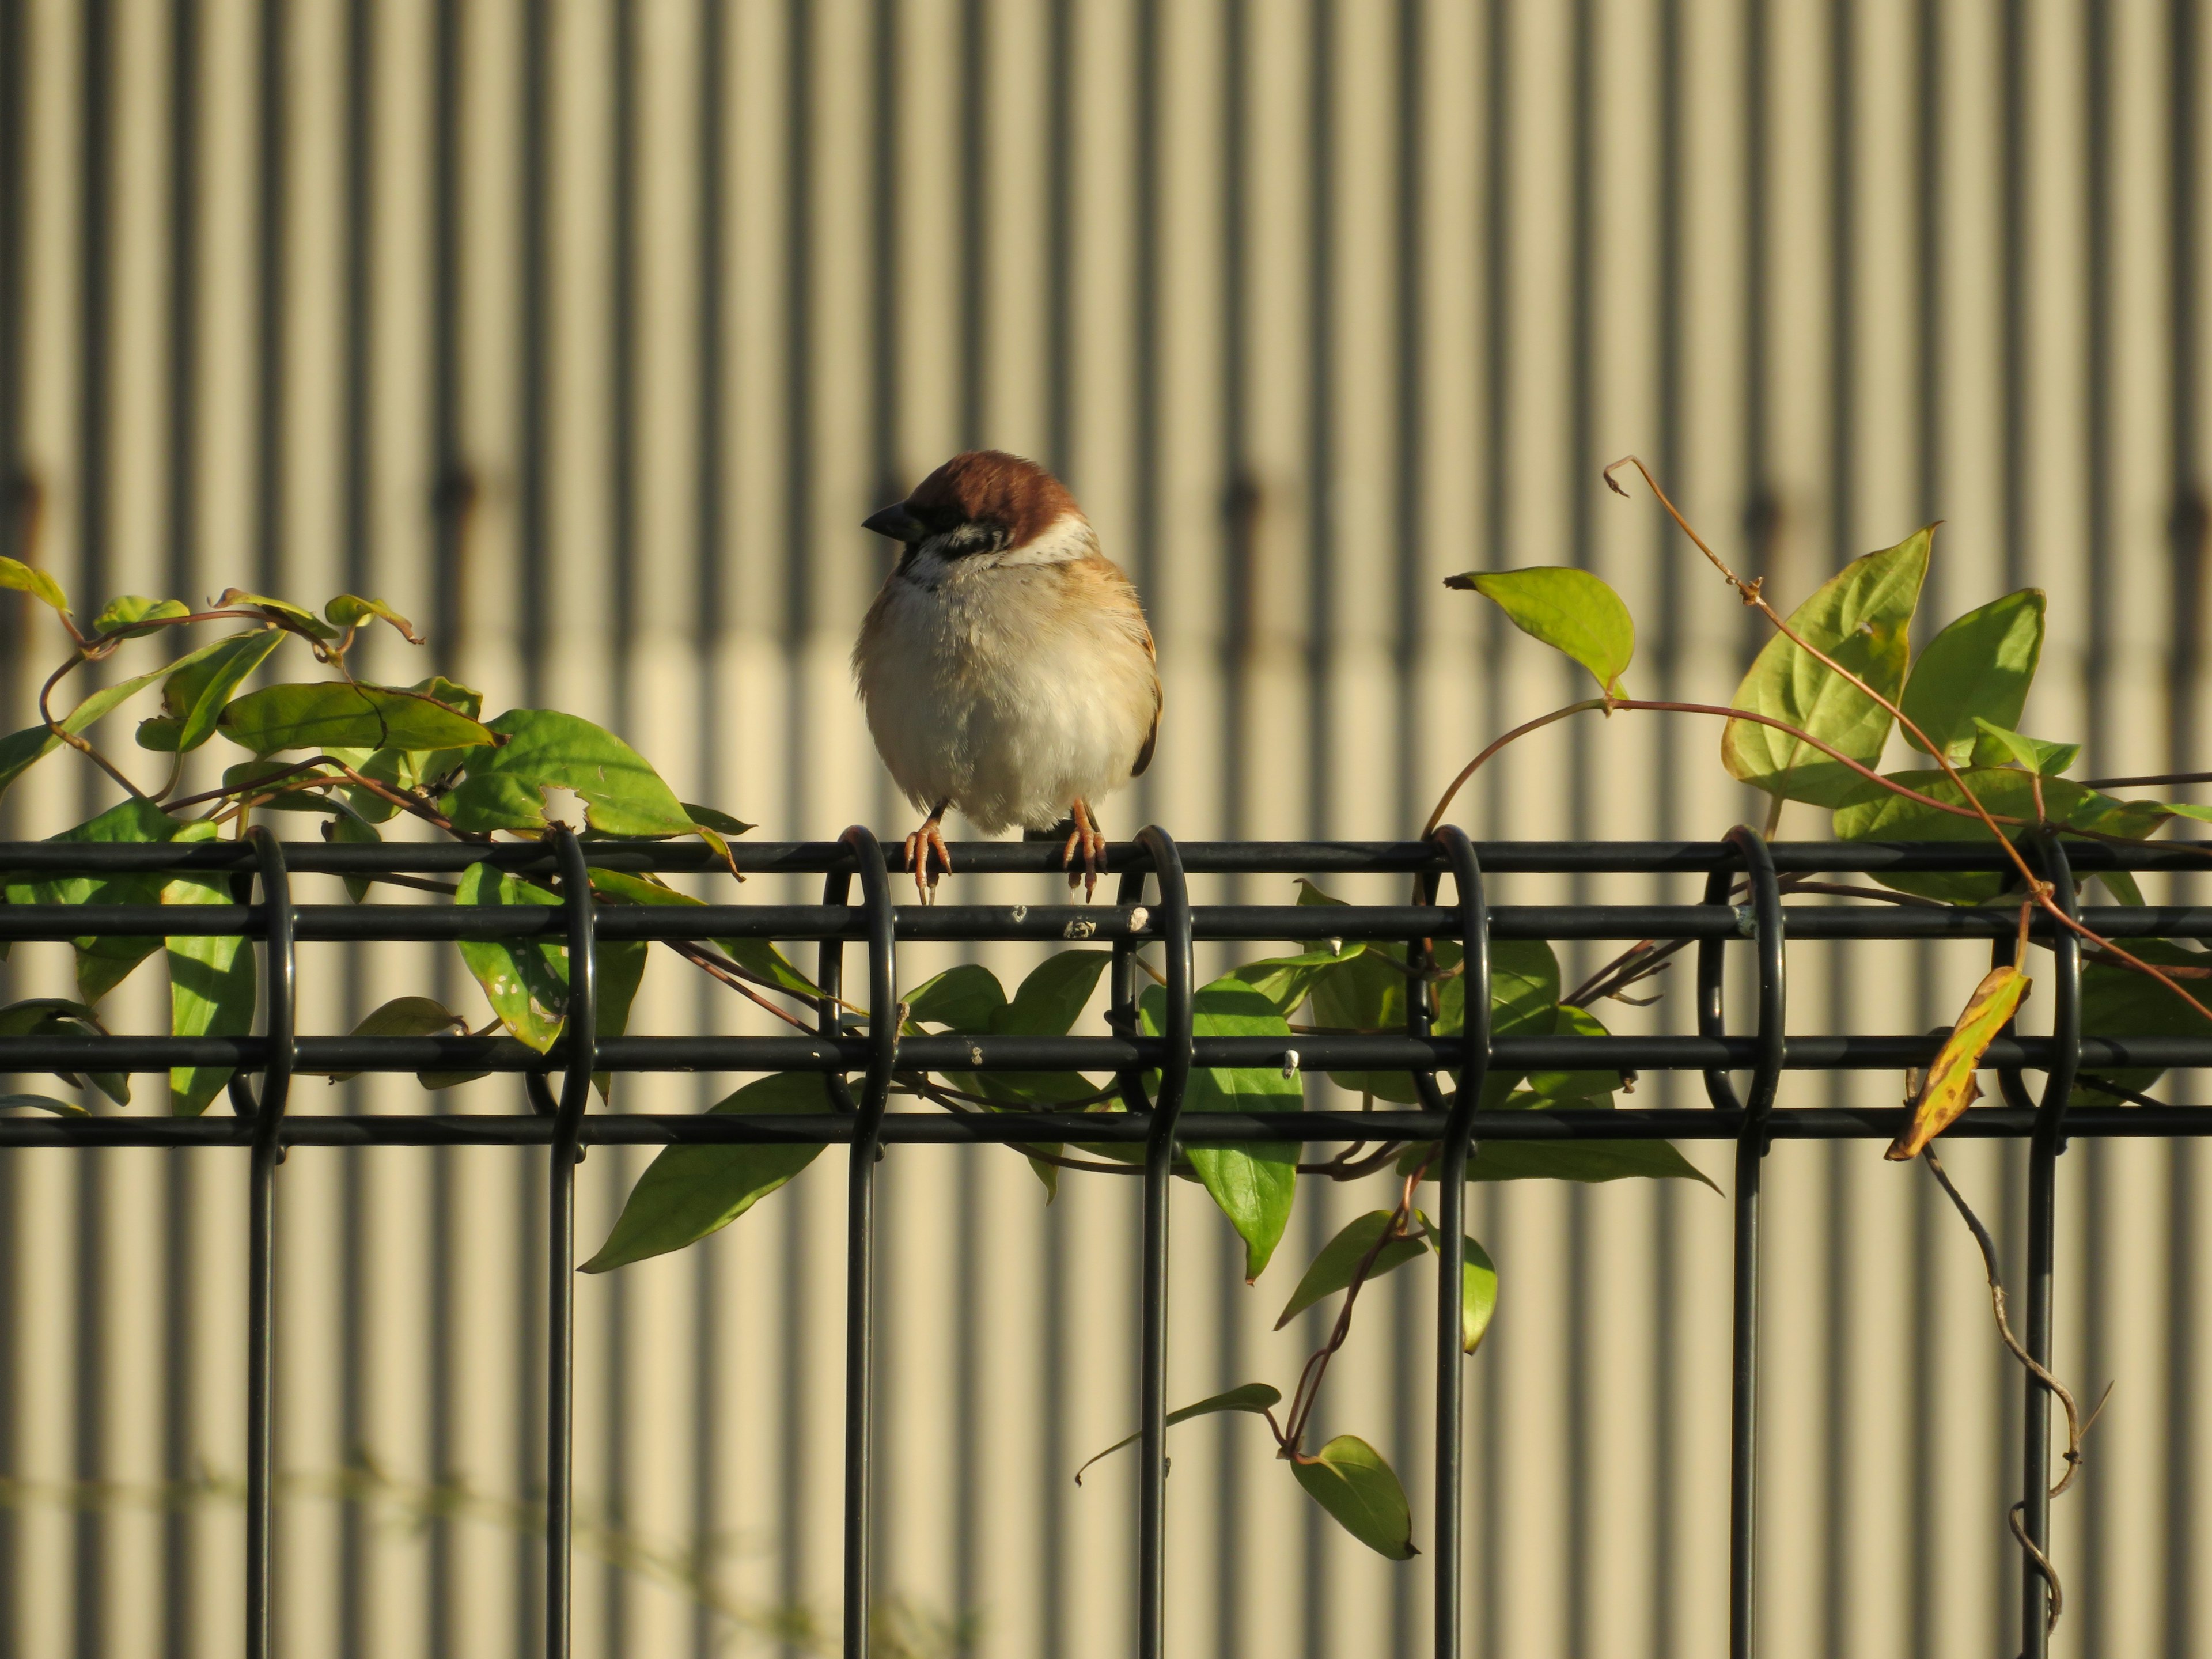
{"x": 1569, "y": 609}
{"x": 1949, "y": 1086}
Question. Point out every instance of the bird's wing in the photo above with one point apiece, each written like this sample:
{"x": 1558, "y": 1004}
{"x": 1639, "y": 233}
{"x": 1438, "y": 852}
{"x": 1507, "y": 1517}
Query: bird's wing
{"x": 1152, "y": 737}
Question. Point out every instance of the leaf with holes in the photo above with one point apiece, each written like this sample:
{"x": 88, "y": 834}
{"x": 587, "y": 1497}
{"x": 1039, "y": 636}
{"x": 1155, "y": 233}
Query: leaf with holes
{"x": 688, "y": 1192}
{"x": 1569, "y": 609}
{"x": 504, "y": 788}
{"x": 1257, "y": 1398}
{"x": 1949, "y": 1086}
{"x": 1859, "y": 617}
{"x": 1340, "y": 1259}
{"x": 525, "y": 981}
{"x": 1360, "y": 1491}
{"x": 1254, "y": 1185}
{"x": 1978, "y": 668}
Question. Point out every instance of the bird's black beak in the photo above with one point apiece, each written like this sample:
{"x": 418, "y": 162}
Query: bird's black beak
{"x": 896, "y": 522}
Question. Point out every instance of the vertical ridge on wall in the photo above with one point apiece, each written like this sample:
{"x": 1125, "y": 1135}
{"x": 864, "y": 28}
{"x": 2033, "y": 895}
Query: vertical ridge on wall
{"x": 586, "y": 334}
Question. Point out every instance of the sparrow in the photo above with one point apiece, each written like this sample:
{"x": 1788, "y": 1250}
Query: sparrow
{"x": 1005, "y": 666}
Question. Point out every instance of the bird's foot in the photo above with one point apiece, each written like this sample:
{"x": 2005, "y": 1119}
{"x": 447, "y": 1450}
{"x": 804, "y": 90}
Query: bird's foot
{"x": 919, "y": 846}
{"x": 1087, "y": 838}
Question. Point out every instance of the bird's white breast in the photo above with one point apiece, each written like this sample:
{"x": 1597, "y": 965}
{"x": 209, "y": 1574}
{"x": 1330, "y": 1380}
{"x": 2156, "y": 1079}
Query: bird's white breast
{"x": 1009, "y": 686}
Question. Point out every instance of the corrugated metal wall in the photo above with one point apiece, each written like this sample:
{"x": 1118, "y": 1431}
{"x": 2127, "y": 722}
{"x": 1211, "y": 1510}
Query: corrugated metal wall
{"x": 587, "y": 333}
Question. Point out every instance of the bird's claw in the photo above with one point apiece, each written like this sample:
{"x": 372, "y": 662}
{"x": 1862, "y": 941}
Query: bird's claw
{"x": 1092, "y": 842}
{"x": 920, "y": 846}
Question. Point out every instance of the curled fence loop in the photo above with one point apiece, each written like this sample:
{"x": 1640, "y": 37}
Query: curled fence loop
{"x": 1178, "y": 1018}
{"x": 883, "y": 992}
{"x": 279, "y": 1002}
{"x": 580, "y": 1039}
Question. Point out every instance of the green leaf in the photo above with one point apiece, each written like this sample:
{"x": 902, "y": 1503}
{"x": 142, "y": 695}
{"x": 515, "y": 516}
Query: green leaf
{"x": 464, "y": 698}
{"x": 1995, "y": 746}
{"x": 1286, "y": 981}
{"x": 504, "y": 788}
{"x": 1253, "y": 1185}
{"x": 57, "y": 1017}
{"x": 1979, "y": 668}
{"x": 126, "y": 613}
{"x": 1340, "y": 1259}
{"x": 247, "y": 774}
{"x": 1878, "y": 815}
{"x": 2121, "y": 885}
{"x": 1478, "y": 1287}
{"x": 622, "y": 970}
{"x": 327, "y": 713}
{"x": 40, "y": 1104}
{"x": 706, "y": 818}
{"x": 307, "y": 621}
{"x": 525, "y": 981}
{"x": 688, "y": 1192}
{"x": 346, "y": 827}
{"x": 1349, "y": 1479}
{"x": 1569, "y": 609}
{"x": 1256, "y": 1398}
{"x": 962, "y": 999}
{"x": 103, "y": 963}
{"x": 1859, "y": 617}
{"x": 1578, "y": 1160}
{"x": 2120, "y": 1002}
{"x": 15, "y": 574}
{"x": 1367, "y": 993}
{"x": 757, "y": 956}
{"x": 20, "y": 750}
{"x": 193, "y": 695}
{"x": 212, "y": 992}
{"x": 401, "y": 1017}
{"x": 347, "y": 611}
{"x": 1574, "y": 1088}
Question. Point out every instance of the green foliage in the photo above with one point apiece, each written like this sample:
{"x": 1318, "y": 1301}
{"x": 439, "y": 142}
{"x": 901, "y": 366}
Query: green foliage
{"x": 688, "y": 1192}
{"x": 1979, "y": 668}
{"x": 133, "y": 614}
{"x": 339, "y": 714}
{"x": 1340, "y": 1260}
{"x": 15, "y": 574}
{"x": 349, "y": 611}
{"x": 103, "y": 963}
{"x": 1254, "y": 1185}
{"x": 1256, "y": 1398}
{"x": 212, "y": 989}
{"x": 1567, "y": 609}
{"x": 1859, "y": 616}
{"x": 1878, "y": 815}
{"x": 2118, "y": 1001}
{"x": 525, "y": 981}
{"x": 1351, "y": 1480}
{"x": 504, "y": 788}
{"x": 1995, "y": 746}
{"x": 20, "y": 750}
{"x": 57, "y": 1017}
{"x": 399, "y": 1018}
{"x": 193, "y": 695}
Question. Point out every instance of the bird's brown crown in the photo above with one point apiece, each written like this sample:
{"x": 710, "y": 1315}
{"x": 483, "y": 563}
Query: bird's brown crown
{"x": 1012, "y": 497}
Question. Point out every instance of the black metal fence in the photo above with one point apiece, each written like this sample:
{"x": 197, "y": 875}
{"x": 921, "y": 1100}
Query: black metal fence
{"x": 1742, "y": 907}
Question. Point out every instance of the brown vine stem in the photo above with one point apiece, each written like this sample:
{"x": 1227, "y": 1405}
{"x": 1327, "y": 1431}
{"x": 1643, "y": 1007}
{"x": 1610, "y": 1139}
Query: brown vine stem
{"x": 2039, "y": 891}
{"x": 1303, "y": 1398}
{"x": 82, "y": 745}
{"x": 2076, "y": 1428}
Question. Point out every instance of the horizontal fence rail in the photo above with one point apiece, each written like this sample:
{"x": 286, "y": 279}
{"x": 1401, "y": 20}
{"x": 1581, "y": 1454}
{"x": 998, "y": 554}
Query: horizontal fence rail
{"x": 1152, "y": 908}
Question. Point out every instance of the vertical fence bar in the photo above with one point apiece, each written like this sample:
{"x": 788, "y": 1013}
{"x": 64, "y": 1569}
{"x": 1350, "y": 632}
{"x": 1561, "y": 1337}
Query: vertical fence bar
{"x": 1177, "y": 1028}
{"x": 578, "y": 1047}
{"x": 2045, "y": 1146}
{"x": 1762, "y": 919}
{"x": 1451, "y": 1227}
{"x": 280, "y": 965}
{"x": 860, "y": 1231}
